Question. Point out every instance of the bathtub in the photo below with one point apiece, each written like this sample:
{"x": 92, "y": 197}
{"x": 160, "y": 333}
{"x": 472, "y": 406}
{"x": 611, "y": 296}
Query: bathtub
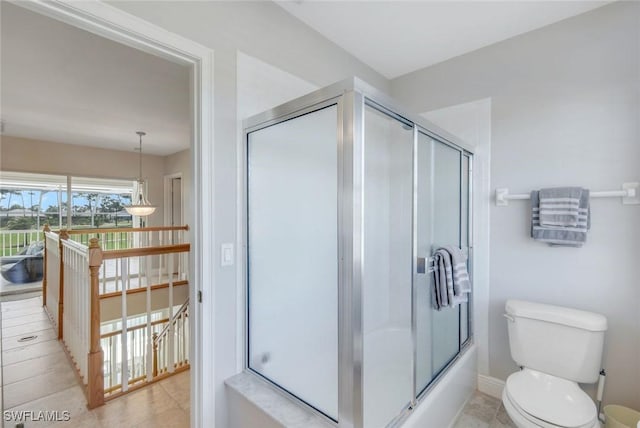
{"x": 388, "y": 383}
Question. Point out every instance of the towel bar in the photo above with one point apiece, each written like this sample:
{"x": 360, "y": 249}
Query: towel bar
{"x": 630, "y": 195}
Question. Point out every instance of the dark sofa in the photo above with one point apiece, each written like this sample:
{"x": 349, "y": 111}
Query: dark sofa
{"x": 27, "y": 266}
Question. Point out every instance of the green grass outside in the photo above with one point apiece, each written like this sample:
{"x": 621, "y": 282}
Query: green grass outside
{"x": 108, "y": 241}
{"x": 12, "y": 242}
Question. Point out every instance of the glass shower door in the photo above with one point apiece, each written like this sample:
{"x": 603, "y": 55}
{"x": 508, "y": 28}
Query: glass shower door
{"x": 439, "y": 211}
{"x": 387, "y": 256}
{"x": 292, "y": 241}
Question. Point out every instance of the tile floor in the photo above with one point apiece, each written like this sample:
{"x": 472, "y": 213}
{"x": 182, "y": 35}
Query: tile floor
{"x": 37, "y": 375}
{"x": 484, "y": 411}
{"x": 8, "y": 288}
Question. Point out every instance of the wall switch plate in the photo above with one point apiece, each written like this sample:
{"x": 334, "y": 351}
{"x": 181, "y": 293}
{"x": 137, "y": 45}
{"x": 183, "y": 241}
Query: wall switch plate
{"x": 226, "y": 255}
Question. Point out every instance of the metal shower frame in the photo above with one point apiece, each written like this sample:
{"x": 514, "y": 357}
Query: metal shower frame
{"x": 351, "y": 96}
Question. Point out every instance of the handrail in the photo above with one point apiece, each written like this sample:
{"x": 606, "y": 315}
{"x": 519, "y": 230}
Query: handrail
{"x": 126, "y": 229}
{"x": 53, "y": 234}
{"x": 167, "y": 355}
{"x": 123, "y": 238}
{"x": 157, "y": 263}
{"x": 135, "y": 327}
{"x": 177, "y": 315}
{"x": 146, "y": 251}
{"x": 143, "y": 289}
{"x": 75, "y": 246}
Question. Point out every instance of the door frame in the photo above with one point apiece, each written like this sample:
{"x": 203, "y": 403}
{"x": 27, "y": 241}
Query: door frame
{"x": 168, "y": 199}
{"x": 115, "y": 24}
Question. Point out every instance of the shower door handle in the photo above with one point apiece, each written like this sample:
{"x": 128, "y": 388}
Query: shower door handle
{"x": 425, "y": 265}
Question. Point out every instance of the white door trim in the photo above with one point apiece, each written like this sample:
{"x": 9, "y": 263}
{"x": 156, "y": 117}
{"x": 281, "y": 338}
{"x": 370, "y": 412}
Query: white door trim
{"x": 115, "y": 24}
{"x": 168, "y": 200}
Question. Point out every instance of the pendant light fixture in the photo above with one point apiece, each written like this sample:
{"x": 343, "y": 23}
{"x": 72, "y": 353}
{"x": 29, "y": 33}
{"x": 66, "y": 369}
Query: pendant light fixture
{"x": 140, "y": 205}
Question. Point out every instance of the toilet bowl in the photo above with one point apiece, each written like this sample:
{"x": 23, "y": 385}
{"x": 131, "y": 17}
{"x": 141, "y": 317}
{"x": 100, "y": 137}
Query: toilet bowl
{"x": 556, "y": 348}
{"x": 533, "y": 399}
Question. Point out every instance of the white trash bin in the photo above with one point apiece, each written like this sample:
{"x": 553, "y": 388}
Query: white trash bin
{"x": 621, "y": 417}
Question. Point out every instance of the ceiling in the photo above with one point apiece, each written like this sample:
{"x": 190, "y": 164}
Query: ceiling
{"x": 64, "y": 84}
{"x": 398, "y": 37}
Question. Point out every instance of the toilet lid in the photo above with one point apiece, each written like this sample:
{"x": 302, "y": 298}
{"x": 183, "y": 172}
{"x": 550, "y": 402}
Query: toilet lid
{"x": 557, "y": 401}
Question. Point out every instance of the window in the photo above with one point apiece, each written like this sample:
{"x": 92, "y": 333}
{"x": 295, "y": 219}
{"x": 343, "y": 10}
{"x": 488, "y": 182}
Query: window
{"x": 29, "y": 201}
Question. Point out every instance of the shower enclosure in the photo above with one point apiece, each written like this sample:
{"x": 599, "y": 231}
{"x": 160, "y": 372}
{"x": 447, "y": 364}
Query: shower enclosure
{"x": 346, "y": 200}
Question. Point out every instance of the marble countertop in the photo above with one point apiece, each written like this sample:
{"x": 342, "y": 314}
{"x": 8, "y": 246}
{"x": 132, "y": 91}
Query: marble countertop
{"x": 275, "y": 403}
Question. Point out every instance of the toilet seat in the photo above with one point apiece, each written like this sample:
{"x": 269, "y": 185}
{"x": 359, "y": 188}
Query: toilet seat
{"x": 523, "y": 420}
{"x": 547, "y": 401}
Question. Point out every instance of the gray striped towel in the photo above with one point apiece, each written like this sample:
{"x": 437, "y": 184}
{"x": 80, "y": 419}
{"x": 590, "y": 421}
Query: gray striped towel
{"x": 451, "y": 284}
{"x": 559, "y": 206}
{"x": 566, "y": 236}
{"x": 443, "y": 283}
{"x": 461, "y": 282}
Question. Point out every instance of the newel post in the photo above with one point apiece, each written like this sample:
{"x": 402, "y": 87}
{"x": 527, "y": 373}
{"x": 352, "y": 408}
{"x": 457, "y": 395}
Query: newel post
{"x": 95, "y": 380}
{"x": 45, "y": 230}
{"x": 63, "y": 236}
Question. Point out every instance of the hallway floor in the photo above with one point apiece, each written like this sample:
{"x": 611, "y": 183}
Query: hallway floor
{"x": 37, "y": 376}
{"x": 8, "y": 288}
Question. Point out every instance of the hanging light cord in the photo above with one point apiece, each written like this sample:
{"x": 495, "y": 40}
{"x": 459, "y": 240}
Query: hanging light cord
{"x": 140, "y": 206}
{"x": 140, "y": 133}
{"x": 140, "y": 157}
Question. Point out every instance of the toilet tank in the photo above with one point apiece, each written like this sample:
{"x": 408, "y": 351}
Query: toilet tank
{"x": 559, "y": 341}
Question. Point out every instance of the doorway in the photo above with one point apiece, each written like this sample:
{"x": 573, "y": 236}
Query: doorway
{"x": 104, "y": 20}
{"x": 173, "y": 197}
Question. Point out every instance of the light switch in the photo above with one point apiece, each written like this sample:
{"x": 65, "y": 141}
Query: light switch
{"x": 226, "y": 254}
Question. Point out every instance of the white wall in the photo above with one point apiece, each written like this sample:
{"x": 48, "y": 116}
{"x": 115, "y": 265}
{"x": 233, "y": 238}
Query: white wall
{"x": 26, "y": 155}
{"x": 565, "y": 111}
{"x": 260, "y": 29}
{"x": 266, "y": 32}
{"x": 261, "y": 86}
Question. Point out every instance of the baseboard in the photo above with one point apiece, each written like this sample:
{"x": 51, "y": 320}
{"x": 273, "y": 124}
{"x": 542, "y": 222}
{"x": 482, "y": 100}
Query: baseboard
{"x": 454, "y": 421}
{"x": 490, "y": 386}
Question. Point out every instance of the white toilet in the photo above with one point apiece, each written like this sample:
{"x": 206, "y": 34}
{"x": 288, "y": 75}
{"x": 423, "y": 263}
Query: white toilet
{"x": 557, "y": 348}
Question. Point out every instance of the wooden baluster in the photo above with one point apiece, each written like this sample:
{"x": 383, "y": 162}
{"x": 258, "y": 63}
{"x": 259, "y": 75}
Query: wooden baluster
{"x": 95, "y": 380}
{"x": 63, "y": 236}
{"x": 155, "y": 355}
{"x": 45, "y": 229}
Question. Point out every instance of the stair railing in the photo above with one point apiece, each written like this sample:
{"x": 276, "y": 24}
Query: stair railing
{"x": 171, "y": 345}
{"x": 78, "y": 303}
